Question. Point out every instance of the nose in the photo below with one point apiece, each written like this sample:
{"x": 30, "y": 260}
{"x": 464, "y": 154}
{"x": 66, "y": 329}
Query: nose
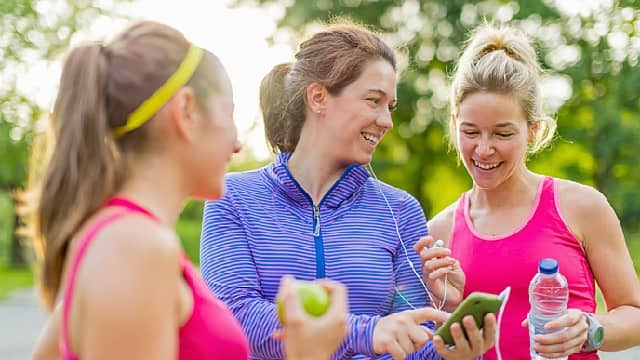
{"x": 384, "y": 119}
{"x": 237, "y": 146}
{"x": 485, "y": 147}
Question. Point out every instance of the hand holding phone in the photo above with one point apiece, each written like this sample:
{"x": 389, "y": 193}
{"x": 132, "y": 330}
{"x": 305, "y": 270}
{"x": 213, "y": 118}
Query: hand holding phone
{"x": 477, "y": 304}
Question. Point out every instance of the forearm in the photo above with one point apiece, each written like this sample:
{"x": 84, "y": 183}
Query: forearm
{"x": 620, "y": 328}
{"x": 359, "y": 339}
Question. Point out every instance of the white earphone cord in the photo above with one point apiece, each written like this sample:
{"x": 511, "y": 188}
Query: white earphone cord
{"x": 406, "y": 252}
{"x": 505, "y": 293}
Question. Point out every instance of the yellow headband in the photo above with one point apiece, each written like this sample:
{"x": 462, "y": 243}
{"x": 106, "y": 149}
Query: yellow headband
{"x": 176, "y": 81}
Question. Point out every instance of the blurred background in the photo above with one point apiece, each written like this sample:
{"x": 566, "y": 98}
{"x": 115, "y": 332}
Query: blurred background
{"x": 589, "y": 48}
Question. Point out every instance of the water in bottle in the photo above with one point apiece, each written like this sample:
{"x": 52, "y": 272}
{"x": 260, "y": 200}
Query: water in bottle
{"x": 548, "y": 296}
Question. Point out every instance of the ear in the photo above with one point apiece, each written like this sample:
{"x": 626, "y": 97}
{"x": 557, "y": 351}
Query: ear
{"x": 184, "y": 113}
{"x": 532, "y": 130}
{"x": 317, "y": 98}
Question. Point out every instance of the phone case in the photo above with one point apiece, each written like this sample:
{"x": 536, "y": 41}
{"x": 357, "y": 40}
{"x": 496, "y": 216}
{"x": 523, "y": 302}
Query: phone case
{"x": 477, "y": 304}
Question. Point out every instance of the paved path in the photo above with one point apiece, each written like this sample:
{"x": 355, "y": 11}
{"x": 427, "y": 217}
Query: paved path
{"x": 20, "y": 322}
{"x": 21, "y": 319}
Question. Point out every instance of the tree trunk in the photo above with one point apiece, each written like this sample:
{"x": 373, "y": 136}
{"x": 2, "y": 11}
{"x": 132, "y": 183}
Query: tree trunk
{"x": 17, "y": 251}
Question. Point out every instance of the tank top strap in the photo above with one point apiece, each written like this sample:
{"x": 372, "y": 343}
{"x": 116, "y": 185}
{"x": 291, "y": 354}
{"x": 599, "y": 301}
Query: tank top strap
{"x": 68, "y": 294}
{"x": 129, "y": 207}
{"x": 546, "y": 202}
{"x": 119, "y": 201}
{"x": 459, "y": 222}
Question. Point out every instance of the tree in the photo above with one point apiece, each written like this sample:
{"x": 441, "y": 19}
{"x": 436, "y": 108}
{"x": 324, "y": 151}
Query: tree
{"x": 590, "y": 53}
{"x": 31, "y": 30}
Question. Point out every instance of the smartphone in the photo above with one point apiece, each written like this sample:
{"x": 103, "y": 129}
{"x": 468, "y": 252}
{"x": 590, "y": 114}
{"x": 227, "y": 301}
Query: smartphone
{"x": 477, "y": 304}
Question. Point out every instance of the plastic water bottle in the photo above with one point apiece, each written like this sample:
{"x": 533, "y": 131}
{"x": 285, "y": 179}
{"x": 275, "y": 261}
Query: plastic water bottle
{"x": 548, "y": 296}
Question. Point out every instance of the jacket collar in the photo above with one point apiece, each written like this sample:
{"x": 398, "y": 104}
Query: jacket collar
{"x": 351, "y": 180}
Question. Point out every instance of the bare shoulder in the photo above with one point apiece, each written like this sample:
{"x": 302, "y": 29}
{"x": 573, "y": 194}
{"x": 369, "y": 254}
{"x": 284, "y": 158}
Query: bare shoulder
{"x": 134, "y": 248}
{"x": 440, "y": 225}
{"x": 582, "y": 207}
{"x": 579, "y": 198}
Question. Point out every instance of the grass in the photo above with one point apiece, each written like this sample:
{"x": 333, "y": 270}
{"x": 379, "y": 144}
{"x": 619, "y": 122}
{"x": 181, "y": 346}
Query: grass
{"x": 12, "y": 279}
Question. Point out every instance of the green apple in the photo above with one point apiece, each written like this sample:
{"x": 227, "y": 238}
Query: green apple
{"x": 313, "y": 297}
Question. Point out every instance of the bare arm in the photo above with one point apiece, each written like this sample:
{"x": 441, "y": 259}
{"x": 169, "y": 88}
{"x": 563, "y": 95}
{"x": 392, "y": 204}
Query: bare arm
{"x": 46, "y": 347}
{"x": 595, "y": 223}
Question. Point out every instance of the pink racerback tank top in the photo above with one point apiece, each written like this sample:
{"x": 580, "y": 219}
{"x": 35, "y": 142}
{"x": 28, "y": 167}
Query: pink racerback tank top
{"x": 211, "y": 332}
{"x": 493, "y": 263}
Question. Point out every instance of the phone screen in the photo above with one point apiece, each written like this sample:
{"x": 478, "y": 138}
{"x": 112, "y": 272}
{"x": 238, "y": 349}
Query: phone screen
{"x": 477, "y": 304}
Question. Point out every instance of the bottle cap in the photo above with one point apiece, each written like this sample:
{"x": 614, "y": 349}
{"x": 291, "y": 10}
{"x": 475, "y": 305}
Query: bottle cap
{"x": 548, "y": 266}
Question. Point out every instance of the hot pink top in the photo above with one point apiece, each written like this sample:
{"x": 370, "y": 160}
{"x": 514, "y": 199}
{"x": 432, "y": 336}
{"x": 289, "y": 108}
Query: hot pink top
{"x": 493, "y": 263}
{"x": 211, "y": 332}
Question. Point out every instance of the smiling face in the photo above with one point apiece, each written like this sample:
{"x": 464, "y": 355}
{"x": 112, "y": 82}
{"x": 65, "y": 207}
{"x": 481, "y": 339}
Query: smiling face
{"x": 360, "y": 115}
{"x": 217, "y": 140}
{"x": 492, "y": 136}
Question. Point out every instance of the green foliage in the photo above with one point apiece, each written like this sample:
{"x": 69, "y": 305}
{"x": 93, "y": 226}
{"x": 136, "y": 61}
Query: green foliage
{"x": 596, "y": 53}
{"x": 189, "y": 232}
{"x": 11, "y": 279}
{"x": 37, "y": 31}
{"x": 6, "y": 224}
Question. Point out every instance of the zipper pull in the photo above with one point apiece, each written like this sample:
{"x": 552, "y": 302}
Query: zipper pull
{"x": 316, "y": 217}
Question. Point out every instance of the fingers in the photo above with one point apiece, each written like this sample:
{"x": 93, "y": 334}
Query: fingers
{"x": 561, "y": 343}
{"x": 418, "y": 336}
{"x": 475, "y": 335}
{"x": 293, "y": 313}
{"x": 569, "y": 336}
{"x": 427, "y": 254}
{"x": 424, "y": 242}
{"x": 425, "y": 314}
{"x": 571, "y": 318}
{"x": 489, "y": 330}
{"x": 337, "y": 295}
{"x": 433, "y": 264}
{"x": 396, "y": 351}
{"x": 441, "y": 347}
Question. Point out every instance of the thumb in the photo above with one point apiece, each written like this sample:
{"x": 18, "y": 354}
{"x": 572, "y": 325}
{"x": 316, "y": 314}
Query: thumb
{"x": 293, "y": 312}
{"x": 425, "y": 314}
{"x": 525, "y": 322}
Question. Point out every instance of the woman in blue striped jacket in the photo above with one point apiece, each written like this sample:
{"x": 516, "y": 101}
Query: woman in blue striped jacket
{"x": 315, "y": 212}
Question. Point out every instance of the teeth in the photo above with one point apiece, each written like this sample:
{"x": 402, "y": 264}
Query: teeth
{"x": 370, "y": 138}
{"x": 486, "y": 166}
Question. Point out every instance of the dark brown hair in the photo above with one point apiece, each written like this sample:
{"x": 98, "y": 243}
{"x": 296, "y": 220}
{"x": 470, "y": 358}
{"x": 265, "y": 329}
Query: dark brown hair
{"x": 334, "y": 58}
{"x": 84, "y": 165}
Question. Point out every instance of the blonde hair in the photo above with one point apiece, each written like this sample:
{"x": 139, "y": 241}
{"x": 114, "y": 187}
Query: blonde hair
{"x": 502, "y": 60}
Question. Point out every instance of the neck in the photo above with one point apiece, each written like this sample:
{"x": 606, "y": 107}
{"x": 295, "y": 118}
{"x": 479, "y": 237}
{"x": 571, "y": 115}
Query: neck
{"x": 314, "y": 168}
{"x": 519, "y": 186}
{"x": 156, "y": 187}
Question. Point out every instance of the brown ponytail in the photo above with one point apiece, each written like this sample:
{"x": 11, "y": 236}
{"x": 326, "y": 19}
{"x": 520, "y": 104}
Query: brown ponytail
{"x": 82, "y": 170}
{"x": 273, "y": 105}
{"x": 334, "y": 58}
{"x": 100, "y": 86}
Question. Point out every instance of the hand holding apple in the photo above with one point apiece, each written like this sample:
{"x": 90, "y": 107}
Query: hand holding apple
{"x": 314, "y": 317}
{"x": 313, "y": 297}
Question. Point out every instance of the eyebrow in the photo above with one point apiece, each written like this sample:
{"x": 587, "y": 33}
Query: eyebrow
{"x": 499, "y": 125}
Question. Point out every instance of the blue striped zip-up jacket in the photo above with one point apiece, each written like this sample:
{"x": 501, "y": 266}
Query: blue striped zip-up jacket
{"x": 266, "y": 226}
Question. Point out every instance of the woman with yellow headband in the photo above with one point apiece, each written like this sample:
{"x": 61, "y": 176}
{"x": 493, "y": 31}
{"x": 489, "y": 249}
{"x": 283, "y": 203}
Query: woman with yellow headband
{"x": 132, "y": 128}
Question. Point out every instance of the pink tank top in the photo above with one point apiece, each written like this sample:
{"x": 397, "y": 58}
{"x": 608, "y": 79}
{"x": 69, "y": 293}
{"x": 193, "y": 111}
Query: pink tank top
{"x": 493, "y": 263}
{"x": 211, "y": 332}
